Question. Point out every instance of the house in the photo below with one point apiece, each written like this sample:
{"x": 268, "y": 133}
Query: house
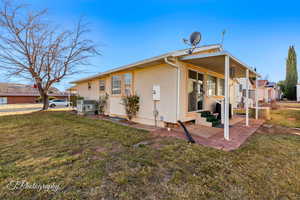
{"x": 14, "y": 93}
{"x": 268, "y": 91}
{"x": 72, "y": 90}
{"x": 241, "y": 88}
{"x": 187, "y": 84}
{"x": 298, "y": 92}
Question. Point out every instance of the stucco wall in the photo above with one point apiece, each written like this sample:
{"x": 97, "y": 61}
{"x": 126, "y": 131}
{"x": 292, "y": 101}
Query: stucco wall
{"x": 89, "y": 94}
{"x": 143, "y": 81}
{"x": 164, "y": 76}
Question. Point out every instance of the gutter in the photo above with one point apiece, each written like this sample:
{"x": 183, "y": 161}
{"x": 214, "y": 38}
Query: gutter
{"x": 178, "y": 85}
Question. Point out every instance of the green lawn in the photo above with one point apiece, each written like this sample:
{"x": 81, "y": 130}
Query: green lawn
{"x": 285, "y": 117}
{"x": 93, "y": 159}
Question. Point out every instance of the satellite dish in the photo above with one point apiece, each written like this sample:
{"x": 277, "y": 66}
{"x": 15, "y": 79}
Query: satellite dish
{"x": 195, "y": 39}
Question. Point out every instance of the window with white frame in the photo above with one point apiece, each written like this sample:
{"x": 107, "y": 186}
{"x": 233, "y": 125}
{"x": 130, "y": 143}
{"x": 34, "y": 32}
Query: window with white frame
{"x": 221, "y": 88}
{"x": 211, "y": 85}
{"x": 127, "y": 83}
{"x": 102, "y": 85}
{"x": 116, "y": 84}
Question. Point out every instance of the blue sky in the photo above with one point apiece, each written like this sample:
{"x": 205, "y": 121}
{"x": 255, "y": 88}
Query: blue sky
{"x": 258, "y": 32}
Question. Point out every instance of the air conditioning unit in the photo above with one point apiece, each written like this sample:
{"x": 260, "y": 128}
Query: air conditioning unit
{"x": 87, "y": 107}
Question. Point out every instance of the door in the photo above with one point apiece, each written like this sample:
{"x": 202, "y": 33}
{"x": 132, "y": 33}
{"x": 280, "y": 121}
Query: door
{"x": 195, "y": 91}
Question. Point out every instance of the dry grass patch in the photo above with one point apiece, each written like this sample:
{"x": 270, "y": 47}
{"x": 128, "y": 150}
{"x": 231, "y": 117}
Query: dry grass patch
{"x": 285, "y": 117}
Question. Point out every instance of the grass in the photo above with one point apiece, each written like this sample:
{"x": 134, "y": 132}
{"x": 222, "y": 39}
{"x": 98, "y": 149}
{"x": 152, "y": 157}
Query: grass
{"x": 285, "y": 117}
{"x": 93, "y": 159}
{"x": 289, "y": 104}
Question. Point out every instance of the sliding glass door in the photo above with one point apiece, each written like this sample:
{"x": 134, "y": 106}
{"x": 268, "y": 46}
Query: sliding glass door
{"x": 195, "y": 91}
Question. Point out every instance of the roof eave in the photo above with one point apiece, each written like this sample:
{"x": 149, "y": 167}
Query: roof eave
{"x": 153, "y": 59}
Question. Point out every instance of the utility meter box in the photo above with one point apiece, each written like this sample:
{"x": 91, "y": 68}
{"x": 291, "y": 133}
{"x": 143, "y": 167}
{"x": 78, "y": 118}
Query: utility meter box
{"x": 156, "y": 93}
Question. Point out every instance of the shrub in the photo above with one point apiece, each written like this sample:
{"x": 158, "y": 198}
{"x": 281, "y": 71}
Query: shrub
{"x": 132, "y": 105}
{"x": 102, "y": 103}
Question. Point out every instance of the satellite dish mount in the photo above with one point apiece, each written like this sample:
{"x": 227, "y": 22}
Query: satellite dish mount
{"x": 194, "y": 40}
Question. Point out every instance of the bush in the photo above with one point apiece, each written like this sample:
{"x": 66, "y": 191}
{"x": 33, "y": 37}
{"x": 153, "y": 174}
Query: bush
{"x": 132, "y": 105}
{"x": 102, "y": 103}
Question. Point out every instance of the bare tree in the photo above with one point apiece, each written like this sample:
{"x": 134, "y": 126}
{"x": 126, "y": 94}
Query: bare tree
{"x": 30, "y": 48}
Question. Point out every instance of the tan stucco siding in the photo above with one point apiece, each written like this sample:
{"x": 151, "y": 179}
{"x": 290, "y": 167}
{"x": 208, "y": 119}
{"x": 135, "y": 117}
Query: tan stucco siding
{"x": 142, "y": 84}
{"x": 90, "y": 94}
{"x": 116, "y": 107}
{"x": 164, "y": 76}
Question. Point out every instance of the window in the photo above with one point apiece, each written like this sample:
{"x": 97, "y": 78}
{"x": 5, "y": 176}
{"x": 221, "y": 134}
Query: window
{"x": 102, "y": 85}
{"x": 89, "y": 85}
{"x": 127, "y": 83}
{"x": 221, "y": 89}
{"x": 116, "y": 84}
{"x": 251, "y": 93}
{"x": 211, "y": 86}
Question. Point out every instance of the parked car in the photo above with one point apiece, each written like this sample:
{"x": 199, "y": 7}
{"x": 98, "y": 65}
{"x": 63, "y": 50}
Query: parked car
{"x": 58, "y": 102}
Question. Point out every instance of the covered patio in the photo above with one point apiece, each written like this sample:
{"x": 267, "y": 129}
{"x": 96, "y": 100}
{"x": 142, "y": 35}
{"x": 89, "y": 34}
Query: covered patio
{"x": 224, "y": 63}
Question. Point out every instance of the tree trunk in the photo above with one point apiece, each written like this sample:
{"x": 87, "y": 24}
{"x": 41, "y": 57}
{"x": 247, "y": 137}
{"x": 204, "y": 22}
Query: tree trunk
{"x": 45, "y": 100}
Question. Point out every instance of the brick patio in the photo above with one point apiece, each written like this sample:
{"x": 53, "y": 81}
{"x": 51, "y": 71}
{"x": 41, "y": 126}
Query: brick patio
{"x": 207, "y": 136}
{"x": 213, "y": 137}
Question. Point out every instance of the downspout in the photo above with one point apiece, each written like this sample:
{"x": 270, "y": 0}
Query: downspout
{"x": 178, "y": 86}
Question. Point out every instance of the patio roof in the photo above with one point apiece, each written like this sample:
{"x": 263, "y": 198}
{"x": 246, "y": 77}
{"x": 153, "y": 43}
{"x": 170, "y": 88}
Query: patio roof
{"x": 216, "y": 62}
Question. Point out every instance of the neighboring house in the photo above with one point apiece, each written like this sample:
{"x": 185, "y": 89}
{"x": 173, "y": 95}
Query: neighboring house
{"x": 240, "y": 95}
{"x": 72, "y": 90}
{"x": 268, "y": 91}
{"x": 13, "y": 93}
{"x": 298, "y": 92}
{"x": 187, "y": 84}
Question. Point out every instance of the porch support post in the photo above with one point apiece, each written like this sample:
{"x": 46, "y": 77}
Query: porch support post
{"x": 256, "y": 97}
{"x": 247, "y": 97}
{"x": 226, "y": 99}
